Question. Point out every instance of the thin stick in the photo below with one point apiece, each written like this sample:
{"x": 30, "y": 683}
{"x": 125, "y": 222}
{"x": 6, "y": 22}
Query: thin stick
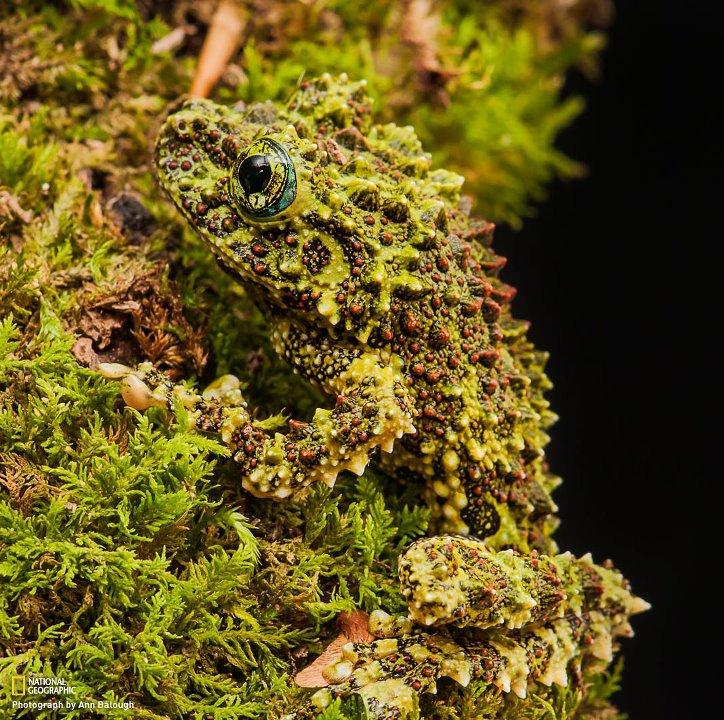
{"x": 221, "y": 42}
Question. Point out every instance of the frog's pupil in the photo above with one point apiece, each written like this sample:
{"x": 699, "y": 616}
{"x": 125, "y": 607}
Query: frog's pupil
{"x": 255, "y": 173}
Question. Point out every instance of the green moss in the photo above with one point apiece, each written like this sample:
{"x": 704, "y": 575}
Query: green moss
{"x": 131, "y": 563}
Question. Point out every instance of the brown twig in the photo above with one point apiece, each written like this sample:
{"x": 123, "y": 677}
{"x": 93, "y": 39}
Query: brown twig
{"x": 222, "y": 40}
{"x": 419, "y": 32}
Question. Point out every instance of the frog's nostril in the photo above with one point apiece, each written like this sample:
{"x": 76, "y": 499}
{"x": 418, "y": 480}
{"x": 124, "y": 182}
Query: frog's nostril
{"x": 255, "y": 173}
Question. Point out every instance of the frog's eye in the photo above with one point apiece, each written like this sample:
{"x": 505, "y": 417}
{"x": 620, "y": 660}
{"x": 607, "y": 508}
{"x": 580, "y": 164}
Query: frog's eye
{"x": 264, "y": 181}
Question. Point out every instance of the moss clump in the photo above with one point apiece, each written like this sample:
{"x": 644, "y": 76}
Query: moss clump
{"x": 131, "y": 564}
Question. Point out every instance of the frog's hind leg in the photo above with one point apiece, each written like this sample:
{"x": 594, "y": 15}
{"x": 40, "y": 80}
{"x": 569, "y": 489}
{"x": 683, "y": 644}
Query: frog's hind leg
{"x": 372, "y": 409}
{"x": 516, "y": 623}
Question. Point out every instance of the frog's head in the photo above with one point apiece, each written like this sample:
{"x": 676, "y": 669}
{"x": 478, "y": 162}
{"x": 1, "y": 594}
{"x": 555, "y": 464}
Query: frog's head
{"x": 305, "y": 203}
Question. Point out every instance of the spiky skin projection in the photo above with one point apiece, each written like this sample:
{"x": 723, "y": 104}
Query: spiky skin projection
{"x": 379, "y": 288}
{"x": 460, "y": 581}
{"x": 507, "y": 620}
{"x": 391, "y": 673}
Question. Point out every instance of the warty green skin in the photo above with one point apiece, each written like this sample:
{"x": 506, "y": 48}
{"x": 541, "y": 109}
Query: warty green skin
{"x": 379, "y": 288}
{"x": 460, "y": 581}
{"x": 391, "y": 673}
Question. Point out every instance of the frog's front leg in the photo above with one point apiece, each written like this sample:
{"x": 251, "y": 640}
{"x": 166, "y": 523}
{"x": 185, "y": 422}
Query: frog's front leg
{"x": 372, "y": 409}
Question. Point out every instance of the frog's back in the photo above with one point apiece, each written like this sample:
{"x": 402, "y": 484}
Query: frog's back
{"x": 424, "y": 285}
{"x": 478, "y": 386}
{"x": 359, "y": 242}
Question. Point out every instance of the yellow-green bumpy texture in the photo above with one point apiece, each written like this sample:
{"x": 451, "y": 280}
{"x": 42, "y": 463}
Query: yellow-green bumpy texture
{"x": 460, "y": 581}
{"x": 512, "y": 622}
{"x": 381, "y": 289}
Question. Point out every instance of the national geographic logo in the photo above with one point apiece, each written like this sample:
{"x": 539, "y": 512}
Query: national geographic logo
{"x": 55, "y": 694}
{"x": 18, "y": 685}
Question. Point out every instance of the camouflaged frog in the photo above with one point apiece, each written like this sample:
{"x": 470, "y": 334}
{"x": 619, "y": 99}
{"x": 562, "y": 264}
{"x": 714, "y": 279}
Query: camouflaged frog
{"x": 378, "y": 287}
{"x": 511, "y": 623}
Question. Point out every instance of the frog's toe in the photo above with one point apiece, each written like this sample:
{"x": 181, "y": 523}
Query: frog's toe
{"x": 135, "y": 391}
{"x": 114, "y": 371}
{"x": 226, "y": 390}
{"x": 138, "y": 395}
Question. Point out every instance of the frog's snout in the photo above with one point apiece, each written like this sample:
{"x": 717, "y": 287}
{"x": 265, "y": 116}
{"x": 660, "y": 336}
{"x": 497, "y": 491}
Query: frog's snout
{"x": 200, "y": 140}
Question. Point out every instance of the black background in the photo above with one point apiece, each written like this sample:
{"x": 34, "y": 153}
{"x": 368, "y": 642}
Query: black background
{"x": 612, "y": 273}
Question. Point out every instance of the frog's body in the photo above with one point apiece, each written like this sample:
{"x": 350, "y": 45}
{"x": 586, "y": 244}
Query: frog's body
{"x": 379, "y": 287}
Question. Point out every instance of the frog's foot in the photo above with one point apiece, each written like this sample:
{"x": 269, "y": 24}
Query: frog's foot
{"x": 144, "y": 387}
{"x": 372, "y": 409}
{"x": 390, "y": 671}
